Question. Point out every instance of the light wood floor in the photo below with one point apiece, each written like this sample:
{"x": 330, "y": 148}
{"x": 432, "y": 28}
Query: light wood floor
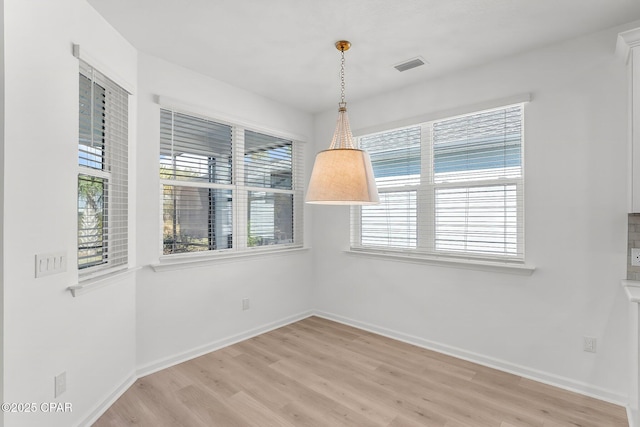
{"x": 320, "y": 373}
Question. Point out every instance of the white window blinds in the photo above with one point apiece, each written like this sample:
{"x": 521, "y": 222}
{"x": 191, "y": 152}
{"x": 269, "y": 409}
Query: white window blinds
{"x": 268, "y": 178}
{"x": 451, "y": 187}
{"x": 226, "y": 187}
{"x": 103, "y": 173}
{"x": 195, "y": 149}
{"x": 395, "y": 157}
{"x": 196, "y": 159}
{"x": 478, "y": 183}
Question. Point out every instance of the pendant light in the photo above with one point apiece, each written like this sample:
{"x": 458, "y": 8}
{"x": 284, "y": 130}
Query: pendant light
{"x": 342, "y": 175}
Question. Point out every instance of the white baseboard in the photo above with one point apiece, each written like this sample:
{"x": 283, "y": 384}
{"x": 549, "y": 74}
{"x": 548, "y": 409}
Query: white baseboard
{"x": 491, "y": 362}
{"x": 106, "y": 403}
{"x": 217, "y": 345}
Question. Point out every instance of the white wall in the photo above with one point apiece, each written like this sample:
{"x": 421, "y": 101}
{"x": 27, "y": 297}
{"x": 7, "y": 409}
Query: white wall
{"x": 189, "y": 311}
{"x": 575, "y": 154}
{"x": 2, "y": 181}
{"x": 46, "y": 330}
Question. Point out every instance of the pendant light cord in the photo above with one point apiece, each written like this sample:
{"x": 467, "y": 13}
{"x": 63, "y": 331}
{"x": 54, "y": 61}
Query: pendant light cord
{"x": 342, "y": 78}
{"x": 342, "y": 138}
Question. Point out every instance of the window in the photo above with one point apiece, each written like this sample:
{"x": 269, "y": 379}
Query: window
{"x": 227, "y": 188}
{"x": 102, "y": 176}
{"x": 450, "y": 187}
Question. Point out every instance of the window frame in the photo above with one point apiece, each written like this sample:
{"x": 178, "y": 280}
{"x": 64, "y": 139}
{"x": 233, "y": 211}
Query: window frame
{"x": 425, "y": 248}
{"x": 114, "y": 174}
{"x": 239, "y": 193}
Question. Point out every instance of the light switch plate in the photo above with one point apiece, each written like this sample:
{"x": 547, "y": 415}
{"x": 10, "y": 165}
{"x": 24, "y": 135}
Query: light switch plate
{"x": 51, "y": 263}
{"x": 635, "y": 257}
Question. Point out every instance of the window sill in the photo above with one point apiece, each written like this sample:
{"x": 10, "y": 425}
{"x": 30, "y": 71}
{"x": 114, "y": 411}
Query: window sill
{"x": 180, "y": 262}
{"x": 95, "y": 283}
{"x": 632, "y": 287}
{"x": 469, "y": 264}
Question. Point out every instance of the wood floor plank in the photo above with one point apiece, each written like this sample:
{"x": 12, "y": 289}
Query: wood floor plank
{"x": 357, "y": 400}
{"x": 209, "y": 409}
{"x": 316, "y": 372}
{"x": 422, "y": 408}
{"x": 303, "y": 415}
{"x": 256, "y": 413}
{"x": 385, "y": 392}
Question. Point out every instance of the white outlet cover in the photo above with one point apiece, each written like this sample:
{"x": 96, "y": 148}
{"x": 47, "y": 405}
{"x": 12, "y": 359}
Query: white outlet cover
{"x": 590, "y": 344}
{"x": 60, "y": 384}
{"x": 635, "y": 257}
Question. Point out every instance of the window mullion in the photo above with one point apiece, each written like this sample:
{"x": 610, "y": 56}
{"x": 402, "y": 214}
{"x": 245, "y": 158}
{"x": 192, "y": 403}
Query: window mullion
{"x": 297, "y": 184}
{"x": 240, "y": 194}
{"x": 182, "y": 183}
{"x": 82, "y": 170}
{"x": 356, "y": 219}
{"x": 269, "y": 190}
{"x": 109, "y": 149}
{"x": 426, "y": 195}
{"x": 356, "y": 226}
{"x": 520, "y": 217}
{"x": 478, "y": 183}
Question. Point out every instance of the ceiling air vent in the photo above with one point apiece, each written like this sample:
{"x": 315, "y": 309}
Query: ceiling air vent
{"x": 411, "y": 63}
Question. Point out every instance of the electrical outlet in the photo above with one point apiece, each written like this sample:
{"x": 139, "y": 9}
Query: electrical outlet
{"x": 61, "y": 384}
{"x": 635, "y": 257}
{"x": 589, "y": 344}
{"x": 245, "y": 303}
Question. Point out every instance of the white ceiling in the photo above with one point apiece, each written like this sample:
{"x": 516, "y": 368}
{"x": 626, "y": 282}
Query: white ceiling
{"x": 284, "y": 49}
